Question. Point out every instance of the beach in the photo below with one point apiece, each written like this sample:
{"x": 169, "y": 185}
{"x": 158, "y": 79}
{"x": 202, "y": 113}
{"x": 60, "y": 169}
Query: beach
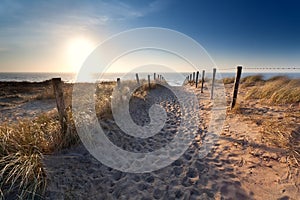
{"x": 243, "y": 163}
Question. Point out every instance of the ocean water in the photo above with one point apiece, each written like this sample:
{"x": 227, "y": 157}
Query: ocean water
{"x": 172, "y": 78}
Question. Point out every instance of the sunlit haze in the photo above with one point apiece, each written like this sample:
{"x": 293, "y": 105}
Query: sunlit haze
{"x": 78, "y": 50}
{"x": 57, "y": 36}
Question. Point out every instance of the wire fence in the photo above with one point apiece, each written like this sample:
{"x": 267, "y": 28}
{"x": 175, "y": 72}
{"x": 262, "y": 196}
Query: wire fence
{"x": 190, "y": 79}
{"x": 261, "y": 68}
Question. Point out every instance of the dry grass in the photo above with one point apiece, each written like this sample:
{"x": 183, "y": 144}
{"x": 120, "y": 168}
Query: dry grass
{"x": 278, "y": 90}
{"x": 252, "y": 80}
{"x": 284, "y": 134}
{"x": 47, "y": 93}
{"x": 236, "y": 109}
{"x": 246, "y": 81}
{"x": 22, "y": 146}
{"x": 228, "y": 80}
{"x": 104, "y": 94}
{"x": 103, "y": 99}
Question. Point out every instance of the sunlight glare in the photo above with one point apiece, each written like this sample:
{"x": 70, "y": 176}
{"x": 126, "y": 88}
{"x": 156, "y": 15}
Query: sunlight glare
{"x": 78, "y": 50}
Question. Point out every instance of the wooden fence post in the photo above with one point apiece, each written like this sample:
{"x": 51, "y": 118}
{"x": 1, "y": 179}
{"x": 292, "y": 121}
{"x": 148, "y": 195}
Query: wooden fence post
{"x": 236, "y": 86}
{"x": 197, "y": 75}
{"x": 213, "y": 84}
{"x": 119, "y": 88}
{"x": 149, "y": 83}
{"x": 60, "y": 103}
{"x": 202, "y": 82}
{"x": 193, "y": 76}
{"x": 137, "y": 78}
{"x": 118, "y": 83}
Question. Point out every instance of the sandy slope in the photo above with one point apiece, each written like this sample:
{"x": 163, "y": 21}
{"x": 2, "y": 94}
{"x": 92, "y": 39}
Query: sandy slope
{"x": 27, "y": 109}
{"x": 238, "y": 167}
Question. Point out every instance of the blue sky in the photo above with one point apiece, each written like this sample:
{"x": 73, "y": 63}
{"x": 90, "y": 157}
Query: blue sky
{"x": 35, "y": 35}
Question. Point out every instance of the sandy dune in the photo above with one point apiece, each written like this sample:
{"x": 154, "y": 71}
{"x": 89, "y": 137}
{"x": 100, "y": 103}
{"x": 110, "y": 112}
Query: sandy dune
{"x": 238, "y": 166}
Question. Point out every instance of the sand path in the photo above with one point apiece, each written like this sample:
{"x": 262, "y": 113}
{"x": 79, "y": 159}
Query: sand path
{"x": 238, "y": 167}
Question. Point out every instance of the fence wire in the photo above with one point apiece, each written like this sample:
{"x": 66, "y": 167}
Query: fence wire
{"x": 263, "y": 68}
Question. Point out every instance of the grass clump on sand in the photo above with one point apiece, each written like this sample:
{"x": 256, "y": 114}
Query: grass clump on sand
{"x": 252, "y": 80}
{"x": 228, "y": 80}
{"x": 22, "y": 146}
{"x": 277, "y": 90}
{"x": 284, "y": 134}
{"x": 103, "y": 99}
{"x": 247, "y": 81}
{"x": 104, "y": 93}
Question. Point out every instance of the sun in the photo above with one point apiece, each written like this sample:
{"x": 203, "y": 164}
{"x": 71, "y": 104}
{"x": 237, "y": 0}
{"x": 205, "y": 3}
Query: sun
{"x": 78, "y": 50}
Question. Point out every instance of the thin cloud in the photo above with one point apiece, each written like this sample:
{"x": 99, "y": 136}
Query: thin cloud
{"x": 3, "y": 50}
{"x": 26, "y": 25}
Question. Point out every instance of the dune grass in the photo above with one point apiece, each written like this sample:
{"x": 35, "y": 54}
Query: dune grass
{"x": 284, "y": 134}
{"x": 21, "y": 147}
{"x": 23, "y": 143}
{"x": 228, "y": 80}
{"x": 104, "y": 94}
{"x": 277, "y": 90}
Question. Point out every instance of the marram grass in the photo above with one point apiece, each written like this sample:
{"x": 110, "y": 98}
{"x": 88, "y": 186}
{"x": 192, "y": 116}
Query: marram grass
{"x": 23, "y": 143}
{"x": 278, "y": 90}
{"x": 22, "y": 146}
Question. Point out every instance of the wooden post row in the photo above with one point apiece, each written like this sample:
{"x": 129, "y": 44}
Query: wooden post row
{"x": 202, "y": 82}
{"x": 58, "y": 91}
{"x": 236, "y": 86}
{"x": 213, "y": 83}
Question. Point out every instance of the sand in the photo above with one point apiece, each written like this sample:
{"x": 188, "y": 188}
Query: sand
{"x": 238, "y": 167}
{"x": 18, "y": 100}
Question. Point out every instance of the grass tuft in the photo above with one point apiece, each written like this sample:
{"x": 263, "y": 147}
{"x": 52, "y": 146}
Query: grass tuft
{"x": 285, "y": 135}
{"x": 252, "y": 80}
{"x": 22, "y": 146}
{"x": 278, "y": 90}
{"x": 228, "y": 80}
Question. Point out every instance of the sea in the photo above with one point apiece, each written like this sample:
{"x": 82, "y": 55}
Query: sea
{"x": 175, "y": 79}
